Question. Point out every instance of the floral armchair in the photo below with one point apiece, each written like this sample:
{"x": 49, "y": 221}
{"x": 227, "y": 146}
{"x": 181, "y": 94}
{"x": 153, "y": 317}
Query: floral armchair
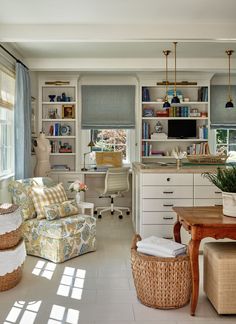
{"x": 59, "y": 239}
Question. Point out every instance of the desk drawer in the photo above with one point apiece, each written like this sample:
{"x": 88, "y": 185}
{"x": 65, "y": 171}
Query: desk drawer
{"x": 68, "y": 179}
{"x": 208, "y": 202}
{"x": 207, "y": 192}
{"x": 165, "y": 231}
{"x": 167, "y": 192}
{"x": 164, "y": 204}
{"x": 164, "y": 218}
{"x": 157, "y": 179}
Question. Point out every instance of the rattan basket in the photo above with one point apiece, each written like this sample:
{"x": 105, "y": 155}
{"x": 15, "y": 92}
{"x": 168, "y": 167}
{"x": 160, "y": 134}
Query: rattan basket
{"x": 10, "y": 239}
{"x": 207, "y": 159}
{"x": 163, "y": 283}
{"x": 10, "y": 280}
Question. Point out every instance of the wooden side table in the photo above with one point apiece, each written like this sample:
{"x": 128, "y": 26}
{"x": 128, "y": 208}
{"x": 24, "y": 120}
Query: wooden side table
{"x": 86, "y": 205}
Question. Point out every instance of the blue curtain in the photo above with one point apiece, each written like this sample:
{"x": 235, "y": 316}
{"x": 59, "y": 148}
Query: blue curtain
{"x": 22, "y": 122}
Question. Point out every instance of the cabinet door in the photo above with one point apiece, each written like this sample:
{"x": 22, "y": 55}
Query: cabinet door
{"x": 167, "y": 192}
{"x": 199, "y": 180}
{"x": 165, "y": 179}
{"x": 164, "y": 204}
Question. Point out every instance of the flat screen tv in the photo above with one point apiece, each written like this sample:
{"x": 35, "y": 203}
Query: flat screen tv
{"x": 182, "y": 129}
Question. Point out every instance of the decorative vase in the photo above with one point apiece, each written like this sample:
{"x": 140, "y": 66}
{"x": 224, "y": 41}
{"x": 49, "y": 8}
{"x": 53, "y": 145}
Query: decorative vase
{"x": 229, "y": 203}
{"x": 77, "y": 198}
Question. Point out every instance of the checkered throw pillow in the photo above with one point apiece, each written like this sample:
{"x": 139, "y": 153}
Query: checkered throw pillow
{"x": 44, "y": 196}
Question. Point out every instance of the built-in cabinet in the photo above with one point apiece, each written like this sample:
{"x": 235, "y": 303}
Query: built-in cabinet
{"x": 160, "y": 192}
{"x": 194, "y": 105}
{"x": 58, "y": 118}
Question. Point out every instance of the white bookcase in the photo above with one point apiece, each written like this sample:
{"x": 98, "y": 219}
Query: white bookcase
{"x": 58, "y": 118}
{"x": 196, "y": 108}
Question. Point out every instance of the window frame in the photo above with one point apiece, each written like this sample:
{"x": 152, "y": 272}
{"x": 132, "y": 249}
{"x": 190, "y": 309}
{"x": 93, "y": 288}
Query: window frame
{"x": 227, "y": 144}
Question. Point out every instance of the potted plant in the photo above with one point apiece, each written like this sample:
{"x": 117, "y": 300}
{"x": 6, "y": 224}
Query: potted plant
{"x": 225, "y": 180}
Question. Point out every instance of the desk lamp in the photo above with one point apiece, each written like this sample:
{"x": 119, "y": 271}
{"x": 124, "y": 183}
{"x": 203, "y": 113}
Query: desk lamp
{"x": 91, "y": 145}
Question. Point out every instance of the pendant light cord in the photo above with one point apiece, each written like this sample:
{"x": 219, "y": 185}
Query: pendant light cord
{"x": 166, "y": 53}
{"x": 175, "y": 43}
{"x": 229, "y": 53}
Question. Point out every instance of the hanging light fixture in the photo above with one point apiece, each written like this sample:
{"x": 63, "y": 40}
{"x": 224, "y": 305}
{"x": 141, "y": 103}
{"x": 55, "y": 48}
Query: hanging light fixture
{"x": 229, "y": 104}
{"x": 166, "y": 103}
{"x": 175, "y": 99}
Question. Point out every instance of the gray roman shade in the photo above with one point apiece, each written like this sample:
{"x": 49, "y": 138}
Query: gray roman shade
{"x": 222, "y": 117}
{"x": 108, "y": 106}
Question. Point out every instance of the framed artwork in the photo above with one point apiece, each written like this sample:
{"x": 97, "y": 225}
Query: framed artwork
{"x": 68, "y": 111}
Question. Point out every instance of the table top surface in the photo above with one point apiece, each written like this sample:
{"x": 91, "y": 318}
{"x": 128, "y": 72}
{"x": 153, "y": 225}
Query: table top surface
{"x": 205, "y": 216}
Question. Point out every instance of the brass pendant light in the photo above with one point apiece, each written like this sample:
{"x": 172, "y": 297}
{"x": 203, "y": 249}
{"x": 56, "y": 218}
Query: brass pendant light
{"x": 175, "y": 99}
{"x": 229, "y": 104}
{"x": 166, "y": 103}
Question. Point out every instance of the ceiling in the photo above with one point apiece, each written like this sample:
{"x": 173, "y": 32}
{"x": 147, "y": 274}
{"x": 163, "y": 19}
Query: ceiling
{"x": 40, "y": 31}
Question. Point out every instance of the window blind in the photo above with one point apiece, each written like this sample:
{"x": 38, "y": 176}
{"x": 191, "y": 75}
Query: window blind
{"x": 108, "y": 106}
{"x": 220, "y": 116}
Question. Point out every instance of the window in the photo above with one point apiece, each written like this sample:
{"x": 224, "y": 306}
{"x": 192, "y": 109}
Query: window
{"x": 112, "y": 140}
{"x": 226, "y": 142}
{"x": 7, "y": 89}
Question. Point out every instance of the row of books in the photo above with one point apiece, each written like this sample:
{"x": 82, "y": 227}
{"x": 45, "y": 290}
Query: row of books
{"x": 203, "y": 94}
{"x": 203, "y": 132}
{"x": 179, "y": 112}
{"x": 196, "y": 149}
{"x": 146, "y": 130}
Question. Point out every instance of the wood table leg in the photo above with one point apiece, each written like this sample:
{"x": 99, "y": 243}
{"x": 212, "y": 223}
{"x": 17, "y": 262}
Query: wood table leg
{"x": 193, "y": 254}
{"x": 177, "y": 227}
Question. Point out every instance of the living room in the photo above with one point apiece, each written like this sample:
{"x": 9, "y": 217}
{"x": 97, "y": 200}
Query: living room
{"x": 87, "y": 94}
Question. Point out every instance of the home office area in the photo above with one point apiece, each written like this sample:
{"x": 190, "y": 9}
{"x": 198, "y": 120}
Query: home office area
{"x": 117, "y": 162}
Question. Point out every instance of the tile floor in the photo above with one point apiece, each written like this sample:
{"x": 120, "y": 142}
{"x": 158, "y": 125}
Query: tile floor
{"x": 96, "y": 288}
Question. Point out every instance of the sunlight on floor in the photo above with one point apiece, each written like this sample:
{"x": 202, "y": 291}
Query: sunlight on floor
{"x": 44, "y": 269}
{"x": 59, "y": 314}
{"x": 72, "y": 283}
{"x": 23, "y": 312}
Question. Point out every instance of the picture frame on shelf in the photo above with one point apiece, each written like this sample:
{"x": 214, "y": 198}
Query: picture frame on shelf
{"x": 68, "y": 111}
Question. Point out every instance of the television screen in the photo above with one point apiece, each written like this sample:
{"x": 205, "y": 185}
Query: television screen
{"x": 182, "y": 128}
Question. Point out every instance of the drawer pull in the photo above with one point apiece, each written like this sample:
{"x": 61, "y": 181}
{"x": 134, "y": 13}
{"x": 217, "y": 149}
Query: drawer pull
{"x": 168, "y": 217}
{"x": 168, "y": 192}
{"x": 168, "y": 237}
{"x": 218, "y": 192}
{"x": 70, "y": 181}
{"x": 168, "y": 205}
{"x": 218, "y": 205}
{"x": 168, "y": 179}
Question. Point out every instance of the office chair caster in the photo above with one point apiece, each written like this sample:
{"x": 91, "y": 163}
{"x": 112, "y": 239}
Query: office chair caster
{"x": 112, "y": 212}
{"x": 127, "y": 213}
{"x": 95, "y": 212}
{"x": 120, "y": 216}
{"x": 99, "y": 216}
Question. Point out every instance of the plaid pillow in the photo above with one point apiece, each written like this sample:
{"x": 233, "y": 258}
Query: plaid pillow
{"x": 64, "y": 209}
{"x": 43, "y": 196}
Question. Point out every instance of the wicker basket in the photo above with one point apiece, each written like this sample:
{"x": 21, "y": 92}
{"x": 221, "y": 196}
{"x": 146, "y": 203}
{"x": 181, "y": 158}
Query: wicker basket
{"x": 10, "y": 239}
{"x": 207, "y": 159}
{"x": 10, "y": 280}
{"x": 161, "y": 282}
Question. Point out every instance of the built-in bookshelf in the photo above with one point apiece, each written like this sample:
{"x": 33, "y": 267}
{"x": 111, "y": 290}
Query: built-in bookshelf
{"x": 193, "y": 106}
{"x": 58, "y": 119}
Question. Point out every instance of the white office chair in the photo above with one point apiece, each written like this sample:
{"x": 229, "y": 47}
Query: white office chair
{"x": 116, "y": 182}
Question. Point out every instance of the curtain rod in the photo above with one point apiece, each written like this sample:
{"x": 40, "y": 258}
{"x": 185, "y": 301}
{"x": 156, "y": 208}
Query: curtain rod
{"x": 15, "y": 58}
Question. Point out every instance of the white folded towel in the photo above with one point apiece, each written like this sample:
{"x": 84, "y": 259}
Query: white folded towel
{"x": 154, "y": 252}
{"x": 162, "y": 245}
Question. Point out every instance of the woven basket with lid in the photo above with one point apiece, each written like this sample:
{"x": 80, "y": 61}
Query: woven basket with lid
{"x": 163, "y": 283}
